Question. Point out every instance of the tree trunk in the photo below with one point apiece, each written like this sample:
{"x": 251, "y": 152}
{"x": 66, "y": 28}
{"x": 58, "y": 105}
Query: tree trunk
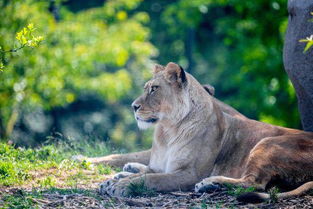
{"x": 299, "y": 65}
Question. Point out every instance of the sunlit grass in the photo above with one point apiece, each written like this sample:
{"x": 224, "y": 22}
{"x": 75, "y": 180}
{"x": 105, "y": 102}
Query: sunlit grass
{"x": 49, "y": 169}
{"x": 48, "y": 166}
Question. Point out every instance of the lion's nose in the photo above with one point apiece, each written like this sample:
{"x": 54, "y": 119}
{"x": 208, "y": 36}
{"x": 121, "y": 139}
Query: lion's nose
{"x": 136, "y": 107}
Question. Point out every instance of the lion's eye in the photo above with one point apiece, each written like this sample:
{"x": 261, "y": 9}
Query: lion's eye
{"x": 153, "y": 89}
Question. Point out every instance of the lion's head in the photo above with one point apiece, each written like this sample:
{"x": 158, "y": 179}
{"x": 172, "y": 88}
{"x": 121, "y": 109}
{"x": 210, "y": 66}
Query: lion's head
{"x": 165, "y": 97}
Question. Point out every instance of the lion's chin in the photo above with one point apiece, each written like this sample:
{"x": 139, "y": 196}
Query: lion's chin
{"x": 144, "y": 125}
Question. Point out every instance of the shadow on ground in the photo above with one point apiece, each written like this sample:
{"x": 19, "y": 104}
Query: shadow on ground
{"x": 90, "y": 198}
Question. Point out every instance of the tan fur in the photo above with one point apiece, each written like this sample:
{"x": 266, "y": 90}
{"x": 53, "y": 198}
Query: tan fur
{"x": 197, "y": 136}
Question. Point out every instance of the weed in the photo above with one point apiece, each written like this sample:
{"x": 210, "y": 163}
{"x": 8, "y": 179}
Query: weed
{"x": 6, "y": 170}
{"x": 203, "y": 204}
{"x": 85, "y": 165}
{"x": 77, "y": 178}
{"x": 19, "y": 200}
{"x": 47, "y": 182}
{"x": 104, "y": 169}
{"x": 67, "y": 164}
{"x": 238, "y": 190}
{"x": 136, "y": 189}
{"x": 69, "y": 146}
{"x": 273, "y": 194}
{"x": 109, "y": 204}
{"x": 17, "y": 164}
{"x": 118, "y": 169}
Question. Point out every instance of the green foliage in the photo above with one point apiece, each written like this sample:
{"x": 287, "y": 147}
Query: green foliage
{"x": 98, "y": 51}
{"x": 273, "y": 194}
{"x": 18, "y": 165}
{"x": 104, "y": 169}
{"x": 69, "y": 147}
{"x": 235, "y": 50}
{"x": 203, "y": 204}
{"x": 309, "y": 43}
{"x": 1, "y": 66}
{"x": 308, "y": 40}
{"x": 19, "y": 200}
{"x": 138, "y": 189}
{"x": 74, "y": 180}
{"x": 85, "y": 165}
{"x": 106, "y": 51}
{"x": 238, "y": 190}
{"x": 47, "y": 182}
{"x": 26, "y": 37}
{"x": 15, "y": 164}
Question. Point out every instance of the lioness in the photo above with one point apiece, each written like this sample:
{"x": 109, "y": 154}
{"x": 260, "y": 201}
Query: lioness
{"x": 197, "y": 136}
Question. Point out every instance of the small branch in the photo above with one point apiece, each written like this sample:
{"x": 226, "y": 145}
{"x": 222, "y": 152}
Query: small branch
{"x": 13, "y": 50}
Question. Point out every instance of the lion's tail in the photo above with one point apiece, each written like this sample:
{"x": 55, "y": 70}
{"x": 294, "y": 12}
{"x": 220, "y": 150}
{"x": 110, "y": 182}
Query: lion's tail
{"x": 257, "y": 197}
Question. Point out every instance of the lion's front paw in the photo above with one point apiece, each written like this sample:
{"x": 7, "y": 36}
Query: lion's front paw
{"x": 135, "y": 168}
{"x": 119, "y": 189}
{"x": 207, "y": 185}
{"x": 106, "y": 185}
{"x": 122, "y": 175}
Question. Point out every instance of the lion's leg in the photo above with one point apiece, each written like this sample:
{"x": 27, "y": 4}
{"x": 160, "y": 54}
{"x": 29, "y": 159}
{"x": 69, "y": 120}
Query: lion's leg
{"x": 119, "y": 160}
{"x": 214, "y": 182}
{"x": 136, "y": 168}
{"x": 163, "y": 182}
{"x": 258, "y": 171}
{"x": 121, "y": 175}
{"x": 131, "y": 169}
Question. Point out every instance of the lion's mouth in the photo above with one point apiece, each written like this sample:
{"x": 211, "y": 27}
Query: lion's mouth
{"x": 150, "y": 120}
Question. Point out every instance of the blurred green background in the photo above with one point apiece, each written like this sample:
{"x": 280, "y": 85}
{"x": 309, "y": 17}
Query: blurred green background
{"x": 79, "y": 83}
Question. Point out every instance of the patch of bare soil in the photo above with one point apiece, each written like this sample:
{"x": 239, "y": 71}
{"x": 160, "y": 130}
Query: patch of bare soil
{"x": 85, "y": 198}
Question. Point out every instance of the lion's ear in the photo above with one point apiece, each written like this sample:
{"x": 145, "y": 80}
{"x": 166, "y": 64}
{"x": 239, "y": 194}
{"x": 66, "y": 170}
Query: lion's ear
{"x": 157, "y": 68}
{"x": 210, "y": 89}
{"x": 175, "y": 73}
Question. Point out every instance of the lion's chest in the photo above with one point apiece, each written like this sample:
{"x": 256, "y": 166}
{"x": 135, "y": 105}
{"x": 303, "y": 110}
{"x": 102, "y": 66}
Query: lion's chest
{"x": 162, "y": 160}
{"x": 159, "y": 160}
{"x": 169, "y": 159}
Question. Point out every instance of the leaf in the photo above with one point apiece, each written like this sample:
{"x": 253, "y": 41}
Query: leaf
{"x": 1, "y": 66}
{"x": 121, "y": 15}
{"x": 308, "y": 46}
{"x": 30, "y": 26}
{"x": 304, "y": 40}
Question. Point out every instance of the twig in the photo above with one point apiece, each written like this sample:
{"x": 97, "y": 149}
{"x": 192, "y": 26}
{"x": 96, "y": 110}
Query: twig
{"x": 13, "y": 50}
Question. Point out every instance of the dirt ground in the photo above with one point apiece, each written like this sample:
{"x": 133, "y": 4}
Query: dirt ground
{"x": 89, "y": 198}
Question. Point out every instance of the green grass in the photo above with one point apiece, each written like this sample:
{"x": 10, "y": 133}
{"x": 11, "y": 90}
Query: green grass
{"x": 273, "y": 194}
{"x": 20, "y": 200}
{"x": 16, "y": 164}
{"x": 139, "y": 189}
{"x": 47, "y": 182}
{"x": 49, "y": 169}
{"x": 104, "y": 170}
{"x": 20, "y": 166}
{"x": 29, "y": 200}
{"x": 238, "y": 190}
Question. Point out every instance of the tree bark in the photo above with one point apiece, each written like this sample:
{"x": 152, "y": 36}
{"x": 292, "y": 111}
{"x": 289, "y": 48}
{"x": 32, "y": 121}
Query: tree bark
{"x": 299, "y": 65}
